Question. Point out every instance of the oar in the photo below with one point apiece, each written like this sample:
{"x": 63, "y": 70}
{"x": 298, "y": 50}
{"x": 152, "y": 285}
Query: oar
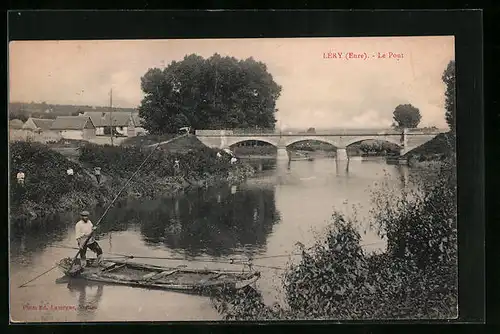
{"x": 114, "y": 200}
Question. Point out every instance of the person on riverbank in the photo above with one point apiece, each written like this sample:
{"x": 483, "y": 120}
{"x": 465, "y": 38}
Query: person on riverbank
{"x": 20, "y": 177}
{"x": 97, "y": 174}
{"x": 84, "y": 229}
{"x": 177, "y": 167}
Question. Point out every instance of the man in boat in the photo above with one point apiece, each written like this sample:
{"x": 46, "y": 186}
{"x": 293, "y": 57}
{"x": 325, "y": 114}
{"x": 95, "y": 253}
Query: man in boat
{"x": 84, "y": 229}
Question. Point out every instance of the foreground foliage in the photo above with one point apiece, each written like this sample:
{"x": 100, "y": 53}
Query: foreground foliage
{"x": 416, "y": 277}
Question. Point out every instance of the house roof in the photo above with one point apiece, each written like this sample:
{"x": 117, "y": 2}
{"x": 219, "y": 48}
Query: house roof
{"x": 99, "y": 118}
{"x": 16, "y": 124}
{"x": 42, "y": 123}
{"x": 138, "y": 121}
{"x": 70, "y": 123}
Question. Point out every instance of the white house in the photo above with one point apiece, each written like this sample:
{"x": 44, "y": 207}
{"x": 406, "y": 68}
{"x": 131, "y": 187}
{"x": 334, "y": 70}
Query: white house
{"x": 74, "y": 127}
{"x": 122, "y": 122}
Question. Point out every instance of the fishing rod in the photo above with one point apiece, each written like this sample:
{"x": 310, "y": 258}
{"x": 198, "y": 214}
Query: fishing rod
{"x": 118, "y": 195}
{"x": 107, "y": 209}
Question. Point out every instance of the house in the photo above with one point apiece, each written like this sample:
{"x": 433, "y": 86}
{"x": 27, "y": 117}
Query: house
{"x": 38, "y": 124}
{"x": 122, "y": 122}
{"x": 16, "y": 131}
{"x": 74, "y": 127}
{"x": 39, "y": 129}
{"x": 139, "y": 124}
{"x": 16, "y": 124}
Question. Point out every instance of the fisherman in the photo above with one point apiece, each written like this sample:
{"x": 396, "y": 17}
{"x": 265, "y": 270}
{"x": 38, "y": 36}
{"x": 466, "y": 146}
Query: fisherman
{"x": 20, "y": 177}
{"x": 84, "y": 228}
{"x": 97, "y": 173}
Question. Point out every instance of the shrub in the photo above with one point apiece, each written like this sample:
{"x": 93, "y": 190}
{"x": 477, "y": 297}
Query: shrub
{"x": 416, "y": 277}
{"x": 124, "y": 161}
{"x": 46, "y": 179}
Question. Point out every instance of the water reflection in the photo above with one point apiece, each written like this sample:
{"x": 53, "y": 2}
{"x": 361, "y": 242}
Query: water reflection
{"x": 87, "y": 302}
{"x": 215, "y": 223}
{"x": 30, "y": 238}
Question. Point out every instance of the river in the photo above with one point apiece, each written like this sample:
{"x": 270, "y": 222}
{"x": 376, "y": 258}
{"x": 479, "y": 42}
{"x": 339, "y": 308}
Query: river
{"x": 282, "y": 205}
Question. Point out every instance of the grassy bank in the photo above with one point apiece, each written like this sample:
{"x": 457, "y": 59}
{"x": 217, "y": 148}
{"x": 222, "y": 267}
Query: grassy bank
{"x": 414, "y": 278}
{"x": 49, "y": 190}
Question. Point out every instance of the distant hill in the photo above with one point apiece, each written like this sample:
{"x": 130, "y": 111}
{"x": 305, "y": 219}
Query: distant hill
{"x": 22, "y": 111}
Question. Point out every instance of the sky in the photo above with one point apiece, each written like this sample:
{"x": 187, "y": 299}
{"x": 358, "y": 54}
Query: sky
{"x": 318, "y": 90}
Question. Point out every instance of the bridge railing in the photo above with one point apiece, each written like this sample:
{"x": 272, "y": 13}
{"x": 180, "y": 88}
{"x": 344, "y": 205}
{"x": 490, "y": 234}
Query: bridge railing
{"x": 331, "y": 132}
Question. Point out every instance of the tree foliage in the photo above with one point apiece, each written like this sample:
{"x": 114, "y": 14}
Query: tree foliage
{"x": 406, "y": 116}
{"x": 213, "y": 93}
{"x": 450, "y": 94}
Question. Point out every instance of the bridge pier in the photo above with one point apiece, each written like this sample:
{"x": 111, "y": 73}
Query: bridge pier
{"x": 341, "y": 154}
{"x": 283, "y": 154}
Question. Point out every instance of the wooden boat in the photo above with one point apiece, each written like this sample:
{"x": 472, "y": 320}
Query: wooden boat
{"x": 156, "y": 277}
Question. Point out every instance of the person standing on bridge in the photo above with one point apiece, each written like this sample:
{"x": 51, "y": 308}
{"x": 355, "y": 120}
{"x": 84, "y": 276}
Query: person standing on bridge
{"x": 84, "y": 229}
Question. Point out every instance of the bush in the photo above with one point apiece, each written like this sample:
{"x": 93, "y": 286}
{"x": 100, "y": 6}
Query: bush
{"x": 416, "y": 277}
{"x": 46, "y": 180}
{"x": 124, "y": 161}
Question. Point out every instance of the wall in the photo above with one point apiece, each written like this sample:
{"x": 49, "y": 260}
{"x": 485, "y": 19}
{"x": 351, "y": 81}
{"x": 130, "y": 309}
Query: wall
{"x": 88, "y": 133}
{"x": 99, "y": 131}
{"x": 29, "y": 135}
{"x": 72, "y": 134}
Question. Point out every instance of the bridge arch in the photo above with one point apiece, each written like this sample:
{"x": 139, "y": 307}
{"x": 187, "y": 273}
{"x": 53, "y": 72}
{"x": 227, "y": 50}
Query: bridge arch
{"x": 311, "y": 138}
{"x": 391, "y": 140}
{"x": 242, "y": 140}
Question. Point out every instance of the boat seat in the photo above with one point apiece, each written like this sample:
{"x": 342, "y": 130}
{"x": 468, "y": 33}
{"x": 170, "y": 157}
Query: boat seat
{"x": 158, "y": 275}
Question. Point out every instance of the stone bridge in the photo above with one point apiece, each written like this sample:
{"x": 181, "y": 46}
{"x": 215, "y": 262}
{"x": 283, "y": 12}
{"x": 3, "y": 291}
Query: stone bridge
{"x": 407, "y": 140}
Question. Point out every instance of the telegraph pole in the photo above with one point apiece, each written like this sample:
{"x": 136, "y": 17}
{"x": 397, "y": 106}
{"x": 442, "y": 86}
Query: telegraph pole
{"x": 111, "y": 115}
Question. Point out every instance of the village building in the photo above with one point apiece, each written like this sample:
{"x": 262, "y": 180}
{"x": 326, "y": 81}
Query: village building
{"x": 16, "y": 124}
{"x": 16, "y": 131}
{"x": 122, "y": 122}
{"x": 74, "y": 127}
{"x": 39, "y": 129}
{"x": 139, "y": 124}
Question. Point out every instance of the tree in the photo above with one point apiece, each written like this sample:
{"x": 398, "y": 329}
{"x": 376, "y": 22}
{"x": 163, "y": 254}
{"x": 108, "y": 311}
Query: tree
{"x": 406, "y": 116}
{"x": 213, "y": 93}
{"x": 449, "y": 79}
{"x": 311, "y": 130}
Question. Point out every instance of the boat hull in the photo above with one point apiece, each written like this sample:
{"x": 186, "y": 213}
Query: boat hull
{"x": 157, "y": 277}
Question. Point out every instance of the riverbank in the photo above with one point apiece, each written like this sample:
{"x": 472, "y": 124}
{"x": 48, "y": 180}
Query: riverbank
{"x": 48, "y": 190}
{"x": 413, "y": 277}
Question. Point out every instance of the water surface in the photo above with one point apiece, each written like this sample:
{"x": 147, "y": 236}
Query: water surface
{"x": 265, "y": 217}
